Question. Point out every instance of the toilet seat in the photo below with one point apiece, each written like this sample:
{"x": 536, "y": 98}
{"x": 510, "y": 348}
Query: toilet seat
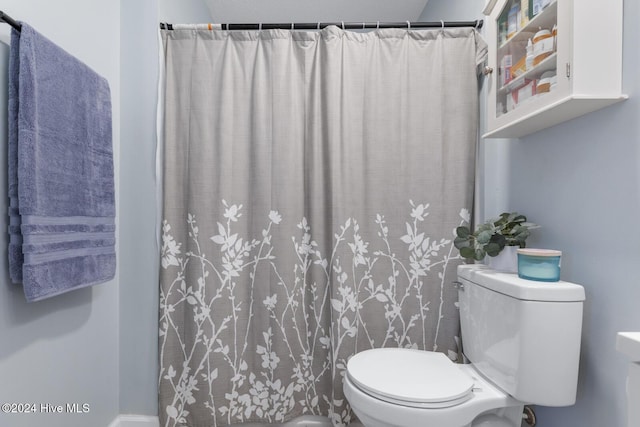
{"x": 414, "y": 378}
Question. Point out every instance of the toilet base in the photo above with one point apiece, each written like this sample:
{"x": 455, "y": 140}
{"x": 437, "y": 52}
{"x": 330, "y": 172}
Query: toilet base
{"x": 503, "y": 417}
{"x": 511, "y": 419}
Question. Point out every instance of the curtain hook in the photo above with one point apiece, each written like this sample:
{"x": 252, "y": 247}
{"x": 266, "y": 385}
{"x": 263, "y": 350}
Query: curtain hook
{"x": 378, "y": 25}
{"x": 292, "y": 26}
{"x": 408, "y": 25}
{"x": 363, "y": 26}
{"x": 342, "y": 25}
{"x": 442, "y": 22}
{"x": 259, "y": 27}
{"x": 477, "y": 24}
{"x": 318, "y": 25}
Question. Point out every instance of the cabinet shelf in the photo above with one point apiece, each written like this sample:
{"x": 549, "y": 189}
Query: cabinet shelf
{"x": 548, "y": 64}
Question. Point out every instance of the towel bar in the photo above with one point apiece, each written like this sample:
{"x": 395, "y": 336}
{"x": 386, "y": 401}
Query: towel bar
{"x": 9, "y": 20}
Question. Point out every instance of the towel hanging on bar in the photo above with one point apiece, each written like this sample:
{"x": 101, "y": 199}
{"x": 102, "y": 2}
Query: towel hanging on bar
{"x": 61, "y": 182}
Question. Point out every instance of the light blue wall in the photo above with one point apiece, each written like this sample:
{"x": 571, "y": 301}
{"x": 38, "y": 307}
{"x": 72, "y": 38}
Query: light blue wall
{"x": 185, "y": 12}
{"x": 65, "y": 349}
{"x": 581, "y": 181}
{"x": 138, "y": 249}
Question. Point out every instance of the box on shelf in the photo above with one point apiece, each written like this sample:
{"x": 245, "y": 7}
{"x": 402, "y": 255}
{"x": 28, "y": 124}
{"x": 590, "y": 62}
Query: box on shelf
{"x": 521, "y": 93}
{"x": 519, "y": 68}
{"x": 513, "y": 20}
{"x": 524, "y": 13}
{"x": 526, "y": 91}
{"x": 505, "y": 69}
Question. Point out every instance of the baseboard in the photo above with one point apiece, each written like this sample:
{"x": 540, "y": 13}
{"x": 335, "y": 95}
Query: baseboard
{"x": 135, "y": 421}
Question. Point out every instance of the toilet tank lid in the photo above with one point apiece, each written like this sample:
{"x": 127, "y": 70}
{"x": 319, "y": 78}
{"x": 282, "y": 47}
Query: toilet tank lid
{"x": 528, "y": 290}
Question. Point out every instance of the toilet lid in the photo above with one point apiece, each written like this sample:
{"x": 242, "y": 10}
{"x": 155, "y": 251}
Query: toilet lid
{"x": 410, "y": 377}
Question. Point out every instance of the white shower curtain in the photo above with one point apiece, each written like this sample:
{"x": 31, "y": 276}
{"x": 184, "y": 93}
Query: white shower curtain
{"x": 312, "y": 185}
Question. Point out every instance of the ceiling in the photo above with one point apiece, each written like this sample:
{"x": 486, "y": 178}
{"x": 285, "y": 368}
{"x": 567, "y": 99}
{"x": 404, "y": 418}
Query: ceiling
{"x": 255, "y": 11}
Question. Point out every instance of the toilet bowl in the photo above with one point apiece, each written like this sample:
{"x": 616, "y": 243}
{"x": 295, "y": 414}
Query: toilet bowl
{"x": 518, "y": 356}
{"x": 404, "y": 387}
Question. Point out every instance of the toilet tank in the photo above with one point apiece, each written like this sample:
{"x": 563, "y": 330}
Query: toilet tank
{"x": 522, "y": 335}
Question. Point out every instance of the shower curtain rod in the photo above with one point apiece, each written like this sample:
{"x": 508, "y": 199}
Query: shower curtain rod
{"x": 9, "y": 20}
{"x": 344, "y": 25}
{"x": 308, "y": 25}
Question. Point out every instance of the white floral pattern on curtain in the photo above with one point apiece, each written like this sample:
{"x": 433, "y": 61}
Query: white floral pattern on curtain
{"x": 295, "y": 234}
{"x": 267, "y": 395}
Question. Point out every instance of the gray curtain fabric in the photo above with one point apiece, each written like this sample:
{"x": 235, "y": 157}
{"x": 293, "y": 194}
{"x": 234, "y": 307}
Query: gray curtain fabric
{"x": 312, "y": 185}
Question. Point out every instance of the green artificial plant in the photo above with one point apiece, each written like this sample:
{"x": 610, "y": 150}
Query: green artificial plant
{"x": 510, "y": 229}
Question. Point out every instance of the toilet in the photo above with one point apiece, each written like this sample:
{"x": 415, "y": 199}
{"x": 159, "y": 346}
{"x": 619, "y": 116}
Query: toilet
{"x": 628, "y": 343}
{"x": 521, "y": 337}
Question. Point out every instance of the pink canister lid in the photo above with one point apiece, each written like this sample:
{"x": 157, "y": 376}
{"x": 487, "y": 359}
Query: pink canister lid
{"x": 539, "y": 252}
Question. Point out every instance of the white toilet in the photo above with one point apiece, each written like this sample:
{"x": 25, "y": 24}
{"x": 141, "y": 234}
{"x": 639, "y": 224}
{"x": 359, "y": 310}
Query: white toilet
{"x": 628, "y": 343}
{"x": 521, "y": 337}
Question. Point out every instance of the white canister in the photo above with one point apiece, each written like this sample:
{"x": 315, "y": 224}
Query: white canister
{"x": 542, "y": 46}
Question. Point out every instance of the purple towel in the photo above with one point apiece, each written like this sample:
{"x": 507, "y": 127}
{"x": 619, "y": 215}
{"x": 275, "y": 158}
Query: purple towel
{"x": 61, "y": 185}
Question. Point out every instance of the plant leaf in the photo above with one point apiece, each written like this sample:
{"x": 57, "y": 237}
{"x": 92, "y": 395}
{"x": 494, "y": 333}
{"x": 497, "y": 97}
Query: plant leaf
{"x": 467, "y": 252}
{"x": 492, "y": 249}
{"x": 499, "y": 240}
{"x": 463, "y": 232}
{"x": 460, "y": 242}
{"x": 519, "y": 218}
{"x": 483, "y": 237}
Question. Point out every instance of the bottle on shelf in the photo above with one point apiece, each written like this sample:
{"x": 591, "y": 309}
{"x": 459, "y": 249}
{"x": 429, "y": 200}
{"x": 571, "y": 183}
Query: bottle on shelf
{"x": 529, "y": 57}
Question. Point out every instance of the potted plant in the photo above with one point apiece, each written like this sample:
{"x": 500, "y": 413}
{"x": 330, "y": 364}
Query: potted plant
{"x": 510, "y": 230}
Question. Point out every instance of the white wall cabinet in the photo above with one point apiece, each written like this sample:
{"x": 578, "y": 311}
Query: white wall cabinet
{"x": 574, "y": 64}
